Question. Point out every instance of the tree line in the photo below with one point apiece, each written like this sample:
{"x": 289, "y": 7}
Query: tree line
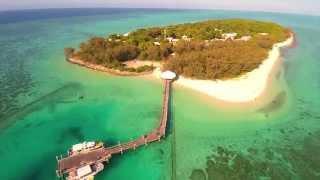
{"x": 202, "y": 57}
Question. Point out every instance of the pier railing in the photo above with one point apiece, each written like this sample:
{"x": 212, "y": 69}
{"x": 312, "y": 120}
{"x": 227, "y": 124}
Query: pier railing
{"x": 103, "y": 154}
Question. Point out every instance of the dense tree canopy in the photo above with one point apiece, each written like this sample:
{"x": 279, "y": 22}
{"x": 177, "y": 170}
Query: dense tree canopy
{"x": 198, "y": 50}
{"x": 218, "y": 60}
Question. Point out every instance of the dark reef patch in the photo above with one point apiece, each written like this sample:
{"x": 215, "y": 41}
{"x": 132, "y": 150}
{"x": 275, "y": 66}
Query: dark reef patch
{"x": 17, "y": 83}
{"x": 15, "y": 77}
{"x": 226, "y": 164}
{"x": 306, "y": 160}
{"x": 300, "y": 161}
{"x": 67, "y": 93}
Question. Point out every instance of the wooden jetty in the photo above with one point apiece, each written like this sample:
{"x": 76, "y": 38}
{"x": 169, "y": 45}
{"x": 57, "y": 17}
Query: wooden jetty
{"x": 70, "y": 164}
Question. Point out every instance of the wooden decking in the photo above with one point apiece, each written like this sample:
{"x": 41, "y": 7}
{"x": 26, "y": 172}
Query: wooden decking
{"x": 103, "y": 154}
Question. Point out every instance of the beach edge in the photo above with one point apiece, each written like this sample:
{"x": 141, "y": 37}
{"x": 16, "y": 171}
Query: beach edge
{"x": 243, "y": 89}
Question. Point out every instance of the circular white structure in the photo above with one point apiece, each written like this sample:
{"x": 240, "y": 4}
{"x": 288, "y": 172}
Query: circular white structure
{"x": 168, "y": 75}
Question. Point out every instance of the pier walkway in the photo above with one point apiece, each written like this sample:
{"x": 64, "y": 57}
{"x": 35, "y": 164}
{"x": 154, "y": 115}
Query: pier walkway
{"x": 73, "y": 162}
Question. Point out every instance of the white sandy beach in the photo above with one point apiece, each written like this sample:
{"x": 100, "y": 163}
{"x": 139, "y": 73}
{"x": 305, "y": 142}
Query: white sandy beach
{"x": 239, "y": 90}
{"x": 243, "y": 89}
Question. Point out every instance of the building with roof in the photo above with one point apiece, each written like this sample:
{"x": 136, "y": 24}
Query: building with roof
{"x": 157, "y": 43}
{"x": 227, "y": 36}
{"x": 168, "y": 75}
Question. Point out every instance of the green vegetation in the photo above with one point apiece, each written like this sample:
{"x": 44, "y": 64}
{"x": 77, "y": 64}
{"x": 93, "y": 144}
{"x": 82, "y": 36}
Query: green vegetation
{"x": 219, "y": 60}
{"x": 68, "y": 52}
{"x": 195, "y": 50}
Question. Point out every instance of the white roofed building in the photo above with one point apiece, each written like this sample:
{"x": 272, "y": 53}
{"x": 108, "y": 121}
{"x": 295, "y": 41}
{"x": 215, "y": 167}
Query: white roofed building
{"x": 186, "y": 38}
{"x": 231, "y": 36}
{"x": 168, "y": 75}
{"x": 157, "y": 43}
{"x": 245, "y": 38}
{"x": 169, "y": 39}
{"x": 172, "y": 40}
{"x": 126, "y": 34}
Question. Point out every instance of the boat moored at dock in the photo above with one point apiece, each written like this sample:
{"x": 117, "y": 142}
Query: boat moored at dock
{"x": 85, "y": 146}
{"x": 86, "y": 172}
{"x": 86, "y": 159}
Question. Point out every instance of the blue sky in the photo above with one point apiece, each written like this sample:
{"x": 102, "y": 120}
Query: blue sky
{"x": 291, "y": 6}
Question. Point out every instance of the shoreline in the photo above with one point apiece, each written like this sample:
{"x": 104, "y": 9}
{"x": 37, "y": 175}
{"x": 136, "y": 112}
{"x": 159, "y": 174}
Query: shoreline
{"x": 244, "y": 89}
{"x": 101, "y": 68}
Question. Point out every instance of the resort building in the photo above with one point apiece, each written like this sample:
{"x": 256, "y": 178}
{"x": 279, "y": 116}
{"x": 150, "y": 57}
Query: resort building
{"x": 126, "y": 34}
{"x": 245, "y": 38}
{"x": 168, "y": 75}
{"x": 172, "y": 40}
{"x": 156, "y": 43}
{"x": 227, "y": 36}
{"x": 186, "y": 38}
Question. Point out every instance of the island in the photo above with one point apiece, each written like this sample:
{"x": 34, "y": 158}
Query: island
{"x": 228, "y": 59}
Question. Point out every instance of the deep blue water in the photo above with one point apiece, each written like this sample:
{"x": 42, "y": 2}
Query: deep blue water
{"x": 42, "y": 14}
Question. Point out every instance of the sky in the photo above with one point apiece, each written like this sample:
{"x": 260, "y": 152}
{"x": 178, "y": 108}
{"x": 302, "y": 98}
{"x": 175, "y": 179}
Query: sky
{"x": 283, "y": 6}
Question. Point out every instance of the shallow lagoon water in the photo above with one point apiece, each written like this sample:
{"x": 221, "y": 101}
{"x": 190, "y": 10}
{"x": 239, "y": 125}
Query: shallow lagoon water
{"x": 47, "y": 104}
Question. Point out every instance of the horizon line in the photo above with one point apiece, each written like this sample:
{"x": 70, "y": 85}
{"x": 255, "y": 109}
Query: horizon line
{"x": 165, "y": 8}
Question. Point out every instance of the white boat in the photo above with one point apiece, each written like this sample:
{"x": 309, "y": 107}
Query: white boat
{"x": 86, "y": 172}
{"x": 84, "y": 147}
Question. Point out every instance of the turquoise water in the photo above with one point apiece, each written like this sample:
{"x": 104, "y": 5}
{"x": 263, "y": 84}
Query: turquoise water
{"x": 46, "y": 104}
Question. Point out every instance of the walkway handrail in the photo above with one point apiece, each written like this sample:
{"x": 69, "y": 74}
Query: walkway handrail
{"x": 71, "y": 163}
